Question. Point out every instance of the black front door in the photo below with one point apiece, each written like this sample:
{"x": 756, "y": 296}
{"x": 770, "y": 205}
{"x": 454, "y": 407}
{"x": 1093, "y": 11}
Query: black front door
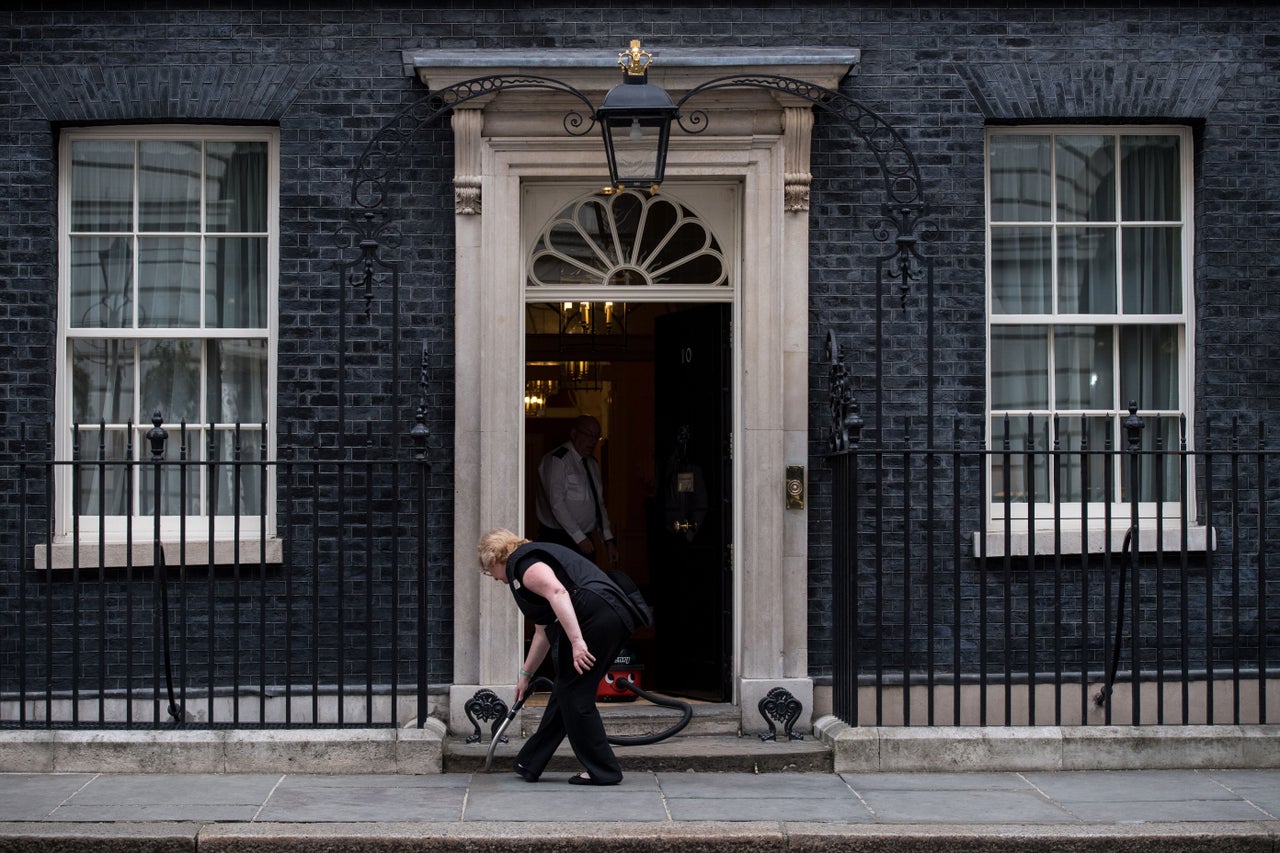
{"x": 691, "y": 581}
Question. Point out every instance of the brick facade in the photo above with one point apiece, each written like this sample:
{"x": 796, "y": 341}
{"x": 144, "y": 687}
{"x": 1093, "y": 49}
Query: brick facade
{"x": 329, "y": 75}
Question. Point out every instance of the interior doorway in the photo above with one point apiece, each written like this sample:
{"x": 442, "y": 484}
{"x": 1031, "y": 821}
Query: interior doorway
{"x": 657, "y": 377}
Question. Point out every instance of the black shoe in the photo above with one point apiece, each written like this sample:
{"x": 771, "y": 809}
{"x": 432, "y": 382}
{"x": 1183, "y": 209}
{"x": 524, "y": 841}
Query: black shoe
{"x": 526, "y": 774}
{"x": 585, "y": 779}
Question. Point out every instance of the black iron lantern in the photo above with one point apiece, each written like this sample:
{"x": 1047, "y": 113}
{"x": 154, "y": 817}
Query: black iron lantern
{"x": 635, "y": 120}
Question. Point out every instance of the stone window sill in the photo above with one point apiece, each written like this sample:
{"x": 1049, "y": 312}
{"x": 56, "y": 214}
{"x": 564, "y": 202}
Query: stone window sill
{"x": 1200, "y": 539}
{"x": 195, "y": 553}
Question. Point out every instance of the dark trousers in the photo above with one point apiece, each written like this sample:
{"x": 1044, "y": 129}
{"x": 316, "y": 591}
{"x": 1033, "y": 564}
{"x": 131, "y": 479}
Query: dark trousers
{"x": 557, "y": 536}
{"x": 571, "y": 710}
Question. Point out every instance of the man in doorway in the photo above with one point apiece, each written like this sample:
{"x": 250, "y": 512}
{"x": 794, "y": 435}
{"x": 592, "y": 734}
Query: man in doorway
{"x": 570, "y": 501}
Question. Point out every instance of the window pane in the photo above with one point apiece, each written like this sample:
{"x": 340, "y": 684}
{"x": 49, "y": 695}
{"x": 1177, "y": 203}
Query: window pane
{"x": 1152, "y": 270}
{"x": 101, "y": 489}
{"x": 168, "y": 186}
{"x": 168, "y": 282}
{"x": 1086, "y": 178}
{"x": 635, "y": 149}
{"x": 1083, "y": 467}
{"x": 172, "y": 494}
{"x": 661, "y": 217}
{"x": 1158, "y": 463}
{"x": 236, "y": 283}
{"x": 170, "y": 371}
{"x": 101, "y": 185}
{"x": 102, "y": 382}
{"x": 236, "y": 186}
{"x": 236, "y": 487}
{"x": 1019, "y": 368}
{"x": 237, "y": 382}
{"x": 593, "y": 218}
{"x": 1011, "y": 439}
{"x": 1149, "y": 367}
{"x": 101, "y": 283}
{"x": 1087, "y": 271}
{"x": 1150, "y": 190}
{"x": 1082, "y": 367}
{"x": 1020, "y": 268}
{"x": 1020, "y": 179}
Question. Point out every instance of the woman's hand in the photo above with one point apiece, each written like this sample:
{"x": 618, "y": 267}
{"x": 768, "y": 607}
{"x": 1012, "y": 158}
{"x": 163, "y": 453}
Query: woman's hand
{"x": 583, "y": 660}
{"x": 522, "y": 686}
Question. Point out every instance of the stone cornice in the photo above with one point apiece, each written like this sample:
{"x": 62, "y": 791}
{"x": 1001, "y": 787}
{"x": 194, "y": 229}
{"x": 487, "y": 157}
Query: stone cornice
{"x": 675, "y": 69}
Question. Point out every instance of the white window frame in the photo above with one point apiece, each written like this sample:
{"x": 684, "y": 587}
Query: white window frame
{"x": 139, "y": 527}
{"x": 1070, "y": 513}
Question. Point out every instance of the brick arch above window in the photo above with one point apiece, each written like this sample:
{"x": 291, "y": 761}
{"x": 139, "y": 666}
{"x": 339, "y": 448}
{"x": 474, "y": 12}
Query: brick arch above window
{"x": 241, "y": 93}
{"x": 1079, "y": 89}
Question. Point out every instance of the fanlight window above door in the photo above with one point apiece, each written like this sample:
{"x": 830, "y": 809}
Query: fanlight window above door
{"x": 627, "y": 239}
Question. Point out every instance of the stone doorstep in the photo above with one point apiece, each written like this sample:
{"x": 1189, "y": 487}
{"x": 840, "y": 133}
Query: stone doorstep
{"x": 640, "y": 718}
{"x": 705, "y": 753}
{"x": 710, "y": 742}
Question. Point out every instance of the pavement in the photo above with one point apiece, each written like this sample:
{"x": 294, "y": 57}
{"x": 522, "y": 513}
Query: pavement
{"x": 1141, "y": 810}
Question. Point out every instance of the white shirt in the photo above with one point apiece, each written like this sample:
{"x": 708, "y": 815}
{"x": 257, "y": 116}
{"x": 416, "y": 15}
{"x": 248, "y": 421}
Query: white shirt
{"x": 564, "y": 496}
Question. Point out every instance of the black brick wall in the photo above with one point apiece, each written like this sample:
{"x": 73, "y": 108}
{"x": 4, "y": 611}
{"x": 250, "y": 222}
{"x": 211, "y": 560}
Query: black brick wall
{"x": 329, "y": 74}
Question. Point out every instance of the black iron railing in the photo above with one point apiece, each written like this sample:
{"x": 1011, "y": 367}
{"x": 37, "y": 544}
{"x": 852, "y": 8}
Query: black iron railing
{"x": 198, "y": 581}
{"x": 1000, "y": 582}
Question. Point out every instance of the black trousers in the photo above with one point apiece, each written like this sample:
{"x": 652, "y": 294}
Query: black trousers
{"x": 557, "y": 536}
{"x": 571, "y": 710}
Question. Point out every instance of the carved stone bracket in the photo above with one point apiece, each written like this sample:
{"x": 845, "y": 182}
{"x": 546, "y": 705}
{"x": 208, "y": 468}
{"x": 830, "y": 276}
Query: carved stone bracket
{"x": 466, "y": 145}
{"x": 797, "y": 124}
{"x": 485, "y": 706}
{"x": 779, "y": 704}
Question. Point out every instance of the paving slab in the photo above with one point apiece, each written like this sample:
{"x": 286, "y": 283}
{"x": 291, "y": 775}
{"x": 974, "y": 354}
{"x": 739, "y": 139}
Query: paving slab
{"x": 970, "y": 807}
{"x": 34, "y": 796}
{"x": 753, "y": 785}
{"x": 309, "y": 802}
{"x": 183, "y": 797}
{"x": 127, "y": 789}
{"x": 936, "y": 781}
{"x": 510, "y": 798}
{"x": 1259, "y": 787}
{"x": 1164, "y": 811}
{"x": 1085, "y": 786}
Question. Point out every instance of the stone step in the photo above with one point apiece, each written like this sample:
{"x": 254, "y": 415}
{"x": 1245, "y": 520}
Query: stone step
{"x": 682, "y": 752}
{"x": 704, "y": 753}
{"x": 639, "y": 717}
{"x": 712, "y": 741}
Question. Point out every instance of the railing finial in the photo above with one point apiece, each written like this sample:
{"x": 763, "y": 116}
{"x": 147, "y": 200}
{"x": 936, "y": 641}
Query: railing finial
{"x": 1133, "y": 426}
{"x": 157, "y": 435}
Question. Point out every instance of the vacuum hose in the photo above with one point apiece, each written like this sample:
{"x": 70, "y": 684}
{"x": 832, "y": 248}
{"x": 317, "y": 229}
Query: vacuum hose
{"x": 1100, "y": 698}
{"x": 685, "y": 709}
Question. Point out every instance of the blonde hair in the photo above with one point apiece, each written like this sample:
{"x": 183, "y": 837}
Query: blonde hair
{"x": 498, "y": 544}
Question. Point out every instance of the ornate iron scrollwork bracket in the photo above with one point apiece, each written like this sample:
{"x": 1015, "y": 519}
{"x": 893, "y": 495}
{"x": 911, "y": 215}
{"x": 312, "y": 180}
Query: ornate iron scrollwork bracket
{"x": 778, "y": 704}
{"x": 904, "y": 219}
{"x": 846, "y": 423}
{"x": 485, "y": 706}
{"x": 370, "y": 225}
{"x": 363, "y": 232}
